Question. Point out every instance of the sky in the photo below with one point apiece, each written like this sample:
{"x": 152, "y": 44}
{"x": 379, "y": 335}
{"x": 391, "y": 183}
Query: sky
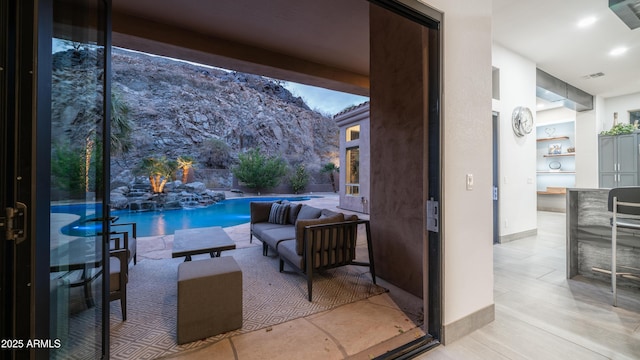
{"x": 328, "y": 102}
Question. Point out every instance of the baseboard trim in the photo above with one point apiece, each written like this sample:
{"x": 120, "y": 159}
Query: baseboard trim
{"x": 468, "y": 324}
{"x": 516, "y": 236}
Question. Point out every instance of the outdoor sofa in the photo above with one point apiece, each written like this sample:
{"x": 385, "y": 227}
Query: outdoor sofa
{"x": 298, "y": 232}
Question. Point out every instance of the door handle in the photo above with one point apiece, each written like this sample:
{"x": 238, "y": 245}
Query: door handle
{"x": 16, "y": 223}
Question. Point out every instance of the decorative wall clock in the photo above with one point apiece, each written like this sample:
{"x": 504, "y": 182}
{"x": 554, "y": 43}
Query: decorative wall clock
{"x": 522, "y": 121}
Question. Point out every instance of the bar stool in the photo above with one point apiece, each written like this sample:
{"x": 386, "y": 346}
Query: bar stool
{"x": 624, "y": 202}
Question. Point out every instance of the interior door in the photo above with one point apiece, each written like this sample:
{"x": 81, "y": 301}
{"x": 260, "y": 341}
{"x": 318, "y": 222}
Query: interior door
{"x": 55, "y": 109}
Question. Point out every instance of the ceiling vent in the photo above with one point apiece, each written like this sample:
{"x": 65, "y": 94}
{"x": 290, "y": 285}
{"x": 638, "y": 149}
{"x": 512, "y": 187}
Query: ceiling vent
{"x": 593, "y": 76}
{"x": 627, "y": 10}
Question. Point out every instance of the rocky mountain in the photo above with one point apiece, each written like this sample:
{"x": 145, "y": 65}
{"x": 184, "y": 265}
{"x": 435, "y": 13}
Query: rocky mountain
{"x": 177, "y": 108}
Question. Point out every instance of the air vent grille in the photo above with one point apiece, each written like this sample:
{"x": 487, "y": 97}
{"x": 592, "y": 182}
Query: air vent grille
{"x": 593, "y": 76}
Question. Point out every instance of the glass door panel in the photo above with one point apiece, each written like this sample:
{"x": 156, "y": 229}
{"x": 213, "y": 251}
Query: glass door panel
{"x": 77, "y": 180}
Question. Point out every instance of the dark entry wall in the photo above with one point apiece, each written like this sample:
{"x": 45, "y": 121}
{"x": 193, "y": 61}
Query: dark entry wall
{"x": 398, "y": 149}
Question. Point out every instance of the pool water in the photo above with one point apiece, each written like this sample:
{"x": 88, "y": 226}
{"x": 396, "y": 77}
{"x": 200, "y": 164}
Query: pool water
{"x": 229, "y": 212}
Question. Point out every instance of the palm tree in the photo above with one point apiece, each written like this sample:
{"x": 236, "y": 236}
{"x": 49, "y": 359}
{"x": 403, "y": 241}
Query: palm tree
{"x": 331, "y": 168}
{"x": 120, "y": 125}
{"x": 160, "y": 170}
{"x": 185, "y": 163}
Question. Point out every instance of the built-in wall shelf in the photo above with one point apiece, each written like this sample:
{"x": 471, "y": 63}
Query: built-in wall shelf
{"x": 556, "y": 172}
{"x": 553, "y": 190}
{"x": 555, "y": 138}
{"x": 555, "y": 155}
{"x": 555, "y": 166}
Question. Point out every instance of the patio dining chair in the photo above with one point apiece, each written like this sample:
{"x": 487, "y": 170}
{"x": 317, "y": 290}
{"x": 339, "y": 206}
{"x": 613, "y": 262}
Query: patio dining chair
{"x": 128, "y": 235}
{"x": 624, "y": 203}
{"x": 118, "y": 278}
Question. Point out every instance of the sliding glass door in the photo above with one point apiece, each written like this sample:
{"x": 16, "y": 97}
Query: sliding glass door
{"x": 55, "y": 108}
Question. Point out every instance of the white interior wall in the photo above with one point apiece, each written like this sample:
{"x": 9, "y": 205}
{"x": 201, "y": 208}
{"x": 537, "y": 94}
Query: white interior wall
{"x": 621, "y": 105}
{"x": 466, "y": 140}
{"x": 467, "y": 105}
{"x": 556, "y": 115}
{"x": 587, "y": 146}
{"x": 517, "y": 169}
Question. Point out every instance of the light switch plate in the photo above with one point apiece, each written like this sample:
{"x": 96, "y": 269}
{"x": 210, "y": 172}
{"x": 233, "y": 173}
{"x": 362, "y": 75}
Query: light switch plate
{"x": 469, "y": 181}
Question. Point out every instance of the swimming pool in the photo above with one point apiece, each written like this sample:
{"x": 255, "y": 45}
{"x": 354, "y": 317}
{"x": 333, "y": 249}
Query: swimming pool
{"x": 229, "y": 212}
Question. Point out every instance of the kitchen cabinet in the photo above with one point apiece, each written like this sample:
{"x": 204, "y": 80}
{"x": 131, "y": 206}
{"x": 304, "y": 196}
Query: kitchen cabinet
{"x": 618, "y": 160}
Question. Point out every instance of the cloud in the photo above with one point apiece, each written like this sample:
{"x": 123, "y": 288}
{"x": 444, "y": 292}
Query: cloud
{"x": 326, "y": 101}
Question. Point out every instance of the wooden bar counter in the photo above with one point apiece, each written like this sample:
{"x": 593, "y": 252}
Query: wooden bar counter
{"x": 589, "y": 238}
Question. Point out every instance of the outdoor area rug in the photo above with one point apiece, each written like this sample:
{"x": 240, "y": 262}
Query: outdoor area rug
{"x": 269, "y": 298}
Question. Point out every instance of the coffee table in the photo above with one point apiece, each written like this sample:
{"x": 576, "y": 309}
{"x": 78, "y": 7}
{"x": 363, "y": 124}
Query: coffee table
{"x": 212, "y": 240}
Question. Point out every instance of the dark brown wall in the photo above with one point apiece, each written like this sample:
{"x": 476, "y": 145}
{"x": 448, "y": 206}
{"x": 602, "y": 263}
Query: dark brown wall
{"x": 397, "y": 148}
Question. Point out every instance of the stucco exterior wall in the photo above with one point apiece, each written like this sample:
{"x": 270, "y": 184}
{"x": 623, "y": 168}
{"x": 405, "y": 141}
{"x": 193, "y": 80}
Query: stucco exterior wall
{"x": 397, "y": 148}
{"x": 356, "y": 116}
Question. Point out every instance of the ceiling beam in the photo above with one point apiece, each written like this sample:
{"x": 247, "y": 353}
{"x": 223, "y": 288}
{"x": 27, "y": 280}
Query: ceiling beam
{"x": 152, "y": 37}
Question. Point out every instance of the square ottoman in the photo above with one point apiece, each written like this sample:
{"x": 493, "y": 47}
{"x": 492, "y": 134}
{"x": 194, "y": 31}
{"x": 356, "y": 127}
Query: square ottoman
{"x": 209, "y": 298}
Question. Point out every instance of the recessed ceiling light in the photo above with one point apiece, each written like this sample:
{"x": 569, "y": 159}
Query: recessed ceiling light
{"x": 540, "y": 105}
{"x": 618, "y": 51}
{"x": 588, "y": 21}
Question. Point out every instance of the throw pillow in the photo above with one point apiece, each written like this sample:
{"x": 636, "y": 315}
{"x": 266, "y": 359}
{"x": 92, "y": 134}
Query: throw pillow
{"x": 294, "y": 209}
{"x": 308, "y": 212}
{"x": 260, "y": 211}
{"x": 278, "y": 214}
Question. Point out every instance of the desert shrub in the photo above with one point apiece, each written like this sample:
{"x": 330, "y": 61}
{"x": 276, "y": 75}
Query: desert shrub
{"x": 259, "y": 171}
{"x": 216, "y": 154}
{"x": 67, "y": 168}
{"x": 69, "y": 172}
{"x": 299, "y": 179}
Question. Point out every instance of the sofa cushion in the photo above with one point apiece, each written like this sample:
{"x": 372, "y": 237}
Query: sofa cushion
{"x": 301, "y": 223}
{"x": 308, "y": 212}
{"x": 260, "y": 228}
{"x": 114, "y": 274}
{"x": 294, "y": 209}
{"x": 287, "y": 250}
{"x": 260, "y": 210}
{"x": 279, "y": 213}
{"x": 273, "y": 237}
{"x": 324, "y": 213}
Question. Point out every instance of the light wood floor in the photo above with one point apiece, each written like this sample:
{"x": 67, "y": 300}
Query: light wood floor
{"x": 542, "y": 315}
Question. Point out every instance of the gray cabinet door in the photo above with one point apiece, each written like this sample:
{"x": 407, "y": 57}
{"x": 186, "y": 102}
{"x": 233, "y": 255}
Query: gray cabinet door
{"x": 607, "y": 155}
{"x": 618, "y": 160}
{"x": 627, "y": 179}
{"x": 626, "y": 151}
{"x": 608, "y": 180}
